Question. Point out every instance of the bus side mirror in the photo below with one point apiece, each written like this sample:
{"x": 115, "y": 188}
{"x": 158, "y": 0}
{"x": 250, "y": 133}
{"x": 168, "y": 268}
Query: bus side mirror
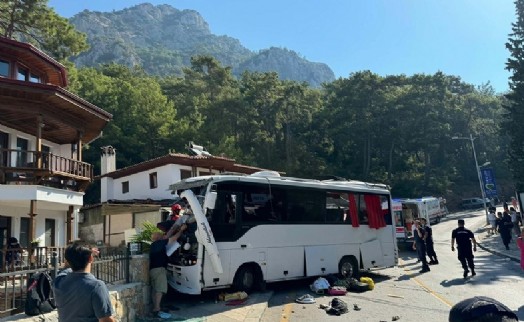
{"x": 210, "y": 201}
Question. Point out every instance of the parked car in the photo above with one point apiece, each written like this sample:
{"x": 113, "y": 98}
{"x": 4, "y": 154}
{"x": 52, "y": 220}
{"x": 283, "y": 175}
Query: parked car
{"x": 474, "y": 203}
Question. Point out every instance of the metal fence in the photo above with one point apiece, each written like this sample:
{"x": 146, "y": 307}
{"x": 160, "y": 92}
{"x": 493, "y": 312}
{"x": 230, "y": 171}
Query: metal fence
{"x": 112, "y": 267}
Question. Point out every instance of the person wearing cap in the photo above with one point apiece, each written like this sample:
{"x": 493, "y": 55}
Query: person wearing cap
{"x": 481, "y": 309}
{"x": 175, "y": 211}
{"x": 464, "y": 237}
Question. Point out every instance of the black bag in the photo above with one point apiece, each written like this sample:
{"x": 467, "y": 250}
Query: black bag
{"x": 337, "y": 307}
{"x": 39, "y": 297}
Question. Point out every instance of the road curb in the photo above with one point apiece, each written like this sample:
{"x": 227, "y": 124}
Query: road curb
{"x": 495, "y": 252}
{"x": 480, "y": 230}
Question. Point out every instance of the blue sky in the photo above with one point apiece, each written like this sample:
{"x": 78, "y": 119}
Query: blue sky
{"x": 465, "y": 38}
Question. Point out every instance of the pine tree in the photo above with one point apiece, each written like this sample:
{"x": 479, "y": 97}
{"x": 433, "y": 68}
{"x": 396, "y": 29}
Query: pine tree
{"x": 34, "y": 22}
{"x": 513, "y": 126}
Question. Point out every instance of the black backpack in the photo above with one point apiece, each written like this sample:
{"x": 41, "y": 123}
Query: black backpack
{"x": 39, "y": 298}
{"x": 337, "y": 307}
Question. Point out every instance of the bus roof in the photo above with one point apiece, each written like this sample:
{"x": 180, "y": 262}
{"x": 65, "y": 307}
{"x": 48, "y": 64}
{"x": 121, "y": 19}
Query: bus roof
{"x": 353, "y": 185}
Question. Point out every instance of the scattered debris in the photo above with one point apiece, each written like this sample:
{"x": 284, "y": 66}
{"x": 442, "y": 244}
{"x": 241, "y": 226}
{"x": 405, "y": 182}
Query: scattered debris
{"x": 235, "y": 302}
{"x": 305, "y": 299}
{"x": 356, "y": 307}
{"x": 337, "y": 307}
{"x": 395, "y": 318}
{"x": 368, "y": 281}
{"x": 397, "y": 296}
{"x": 232, "y": 296}
{"x": 337, "y": 290}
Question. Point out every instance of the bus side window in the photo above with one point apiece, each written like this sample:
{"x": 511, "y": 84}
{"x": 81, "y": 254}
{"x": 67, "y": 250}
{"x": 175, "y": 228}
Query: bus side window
{"x": 386, "y": 210}
{"x": 230, "y": 209}
{"x": 362, "y": 211}
{"x": 334, "y": 207}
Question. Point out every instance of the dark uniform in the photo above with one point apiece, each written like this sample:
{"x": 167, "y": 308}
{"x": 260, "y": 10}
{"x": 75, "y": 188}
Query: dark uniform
{"x": 463, "y": 238}
{"x": 430, "y": 250}
{"x": 421, "y": 248}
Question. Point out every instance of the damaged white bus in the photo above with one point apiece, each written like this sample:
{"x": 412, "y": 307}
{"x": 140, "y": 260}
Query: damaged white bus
{"x": 253, "y": 229}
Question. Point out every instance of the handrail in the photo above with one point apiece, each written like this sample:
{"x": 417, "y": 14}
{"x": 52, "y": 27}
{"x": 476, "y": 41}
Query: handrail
{"x": 23, "y": 160}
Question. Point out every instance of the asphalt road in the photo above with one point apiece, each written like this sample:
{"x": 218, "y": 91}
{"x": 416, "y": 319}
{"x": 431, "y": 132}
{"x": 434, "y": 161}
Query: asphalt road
{"x": 401, "y": 293}
{"x": 404, "y": 293}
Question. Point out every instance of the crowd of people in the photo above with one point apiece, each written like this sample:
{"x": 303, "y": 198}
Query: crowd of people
{"x": 506, "y": 223}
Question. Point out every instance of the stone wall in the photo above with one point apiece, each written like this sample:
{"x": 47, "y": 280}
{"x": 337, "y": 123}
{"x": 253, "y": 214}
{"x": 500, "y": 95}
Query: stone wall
{"x": 129, "y": 300}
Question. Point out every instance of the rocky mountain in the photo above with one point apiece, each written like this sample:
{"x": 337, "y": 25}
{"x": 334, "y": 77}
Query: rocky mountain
{"x": 162, "y": 40}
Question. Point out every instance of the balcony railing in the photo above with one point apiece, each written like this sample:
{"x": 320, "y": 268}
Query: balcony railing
{"x": 42, "y": 168}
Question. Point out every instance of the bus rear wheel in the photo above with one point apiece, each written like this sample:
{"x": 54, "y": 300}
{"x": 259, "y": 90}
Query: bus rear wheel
{"x": 246, "y": 278}
{"x": 348, "y": 267}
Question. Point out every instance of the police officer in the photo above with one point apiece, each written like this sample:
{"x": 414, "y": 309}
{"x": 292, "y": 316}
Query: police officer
{"x": 419, "y": 235}
{"x": 464, "y": 237}
{"x": 430, "y": 250}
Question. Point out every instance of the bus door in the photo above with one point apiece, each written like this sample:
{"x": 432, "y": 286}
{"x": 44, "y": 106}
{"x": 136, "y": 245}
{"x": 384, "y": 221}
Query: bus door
{"x": 224, "y": 220}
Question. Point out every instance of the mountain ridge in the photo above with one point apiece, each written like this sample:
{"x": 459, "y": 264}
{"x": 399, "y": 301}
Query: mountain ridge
{"x": 162, "y": 40}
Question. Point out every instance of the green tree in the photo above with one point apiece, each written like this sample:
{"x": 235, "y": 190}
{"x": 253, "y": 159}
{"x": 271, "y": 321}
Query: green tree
{"x": 34, "y": 22}
{"x": 514, "y": 118}
{"x": 143, "y": 119}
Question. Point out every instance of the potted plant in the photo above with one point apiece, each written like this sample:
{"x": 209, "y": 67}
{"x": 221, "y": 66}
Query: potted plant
{"x": 143, "y": 237}
{"x": 35, "y": 242}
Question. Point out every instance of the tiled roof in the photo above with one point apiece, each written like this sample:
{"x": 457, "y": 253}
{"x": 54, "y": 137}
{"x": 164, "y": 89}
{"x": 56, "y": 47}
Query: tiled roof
{"x": 222, "y": 164}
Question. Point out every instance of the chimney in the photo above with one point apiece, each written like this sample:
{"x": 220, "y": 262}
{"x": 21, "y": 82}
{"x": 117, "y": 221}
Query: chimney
{"x": 108, "y": 160}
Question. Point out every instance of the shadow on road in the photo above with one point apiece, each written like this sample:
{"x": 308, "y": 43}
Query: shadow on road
{"x": 454, "y": 282}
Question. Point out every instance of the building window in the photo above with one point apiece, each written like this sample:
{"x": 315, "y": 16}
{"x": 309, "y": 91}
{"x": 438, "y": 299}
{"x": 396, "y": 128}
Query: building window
{"x": 21, "y": 155}
{"x": 34, "y": 78}
{"x": 153, "y": 180}
{"x": 184, "y": 174}
{"x": 4, "y": 68}
{"x": 4, "y": 145}
{"x": 22, "y": 74}
{"x": 24, "y": 232}
{"x": 125, "y": 187}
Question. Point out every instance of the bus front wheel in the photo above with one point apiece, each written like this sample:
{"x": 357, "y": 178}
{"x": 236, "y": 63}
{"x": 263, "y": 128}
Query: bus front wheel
{"x": 348, "y": 267}
{"x": 246, "y": 278}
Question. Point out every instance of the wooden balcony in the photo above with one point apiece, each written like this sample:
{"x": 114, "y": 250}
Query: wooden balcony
{"x": 47, "y": 169}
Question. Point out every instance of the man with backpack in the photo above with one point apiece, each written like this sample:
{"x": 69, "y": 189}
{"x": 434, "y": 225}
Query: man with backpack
{"x": 79, "y": 295}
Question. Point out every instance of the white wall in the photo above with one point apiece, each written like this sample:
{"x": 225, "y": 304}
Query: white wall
{"x": 63, "y": 150}
{"x": 106, "y": 189}
{"x": 60, "y": 223}
{"x": 139, "y": 184}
